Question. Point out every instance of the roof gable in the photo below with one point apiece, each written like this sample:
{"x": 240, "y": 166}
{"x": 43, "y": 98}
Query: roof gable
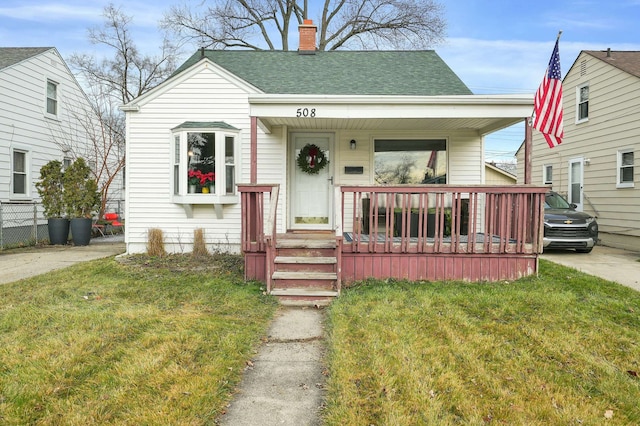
{"x": 628, "y": 61}
{"x": 12, "y": 55}
{"x": 405, "y": 73}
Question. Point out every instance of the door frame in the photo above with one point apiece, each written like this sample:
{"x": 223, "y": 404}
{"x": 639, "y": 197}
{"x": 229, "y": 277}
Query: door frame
{"x": 580, "y": 162}
{"x": 292, "y": 166}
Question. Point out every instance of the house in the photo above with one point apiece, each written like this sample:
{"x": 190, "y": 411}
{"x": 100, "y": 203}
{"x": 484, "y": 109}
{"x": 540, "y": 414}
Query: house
{"x": 496, "y": 175}
{"x": 44, "y": 115}
{"x": 329, "y": 167}
{"x": 594, "y": 167}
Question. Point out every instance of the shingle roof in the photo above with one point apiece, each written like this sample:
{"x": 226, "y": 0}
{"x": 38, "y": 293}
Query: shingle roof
{"x": 12, "y": 55}
{"x": 205, "y": 125}
{"x": 628, "y": 61}
{"x": 407, "y": 73}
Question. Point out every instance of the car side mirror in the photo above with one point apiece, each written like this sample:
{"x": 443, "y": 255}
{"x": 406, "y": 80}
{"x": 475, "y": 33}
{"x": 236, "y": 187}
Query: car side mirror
{"x": 573, "y": 205}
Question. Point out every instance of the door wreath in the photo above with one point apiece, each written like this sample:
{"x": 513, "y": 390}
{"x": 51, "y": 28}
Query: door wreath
{"x": 312, "y": 159}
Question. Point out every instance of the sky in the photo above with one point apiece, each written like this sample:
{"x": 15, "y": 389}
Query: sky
{"x": 494, "y": 46}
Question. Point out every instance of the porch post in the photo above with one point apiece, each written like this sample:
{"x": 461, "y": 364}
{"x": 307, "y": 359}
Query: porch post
{"x": 253, "y": 196}
{"x": 527, "y": 150}
{"x": 254, "y": 150}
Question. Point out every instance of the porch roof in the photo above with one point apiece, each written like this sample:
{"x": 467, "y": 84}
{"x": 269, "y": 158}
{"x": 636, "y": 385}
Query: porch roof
{"x": 478, "y": 113}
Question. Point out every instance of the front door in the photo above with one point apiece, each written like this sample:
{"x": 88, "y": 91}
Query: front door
{"x": 311, "y": 193}
{"x": 574, "y": 194}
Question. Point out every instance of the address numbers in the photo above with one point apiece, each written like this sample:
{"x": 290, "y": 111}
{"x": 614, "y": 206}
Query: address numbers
{"x": 306, "y": 112}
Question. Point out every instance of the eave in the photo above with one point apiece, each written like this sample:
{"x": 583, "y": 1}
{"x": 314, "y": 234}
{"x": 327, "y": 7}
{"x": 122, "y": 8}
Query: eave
{"x": 480, "y": 113}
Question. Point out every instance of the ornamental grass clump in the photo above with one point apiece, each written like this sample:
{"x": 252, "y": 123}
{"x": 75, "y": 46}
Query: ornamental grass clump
{"x": 199, "y": 246}
{"x": 155, "y": 245}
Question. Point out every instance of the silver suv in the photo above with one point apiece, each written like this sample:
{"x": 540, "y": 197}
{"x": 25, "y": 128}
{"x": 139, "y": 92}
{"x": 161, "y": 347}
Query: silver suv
{"x": 566, "y": 228}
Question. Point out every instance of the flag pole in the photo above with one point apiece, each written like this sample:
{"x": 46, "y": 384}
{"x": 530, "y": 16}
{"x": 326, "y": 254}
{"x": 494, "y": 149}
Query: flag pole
{"x": 528, "y": 137}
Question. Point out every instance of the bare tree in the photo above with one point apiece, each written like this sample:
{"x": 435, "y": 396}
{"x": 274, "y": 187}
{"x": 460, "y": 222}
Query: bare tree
{"x": 395, "y": 173}
{"x": 94, "y": 132}
{"x": 260, "y": 24}
{"x": 111, "y": 81}
{"x": 128, "y": 73}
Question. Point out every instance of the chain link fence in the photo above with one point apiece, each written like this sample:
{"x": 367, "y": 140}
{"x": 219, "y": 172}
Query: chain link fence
{"x": 22, "y": 224}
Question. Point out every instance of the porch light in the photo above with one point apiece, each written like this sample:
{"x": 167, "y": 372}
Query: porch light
{"x": 352, "y": 144}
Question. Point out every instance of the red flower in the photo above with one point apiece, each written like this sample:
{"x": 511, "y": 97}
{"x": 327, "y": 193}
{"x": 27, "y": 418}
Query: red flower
{"x": 207, "y": 177}
{"x": 197, "y": 177}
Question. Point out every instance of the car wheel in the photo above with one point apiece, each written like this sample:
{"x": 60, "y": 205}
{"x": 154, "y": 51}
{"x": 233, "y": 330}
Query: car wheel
{"x": 587, "y": 250}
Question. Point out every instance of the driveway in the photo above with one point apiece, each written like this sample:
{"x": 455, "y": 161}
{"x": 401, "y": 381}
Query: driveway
{"x": 612, "y": 264}
{"x": 28, "y": 262}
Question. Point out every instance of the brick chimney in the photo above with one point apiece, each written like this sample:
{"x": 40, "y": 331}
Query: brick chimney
{"x": 307, "y": 38}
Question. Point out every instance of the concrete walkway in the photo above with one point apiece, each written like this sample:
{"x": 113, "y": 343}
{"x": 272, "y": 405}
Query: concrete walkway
{"x": 284, "y": 386}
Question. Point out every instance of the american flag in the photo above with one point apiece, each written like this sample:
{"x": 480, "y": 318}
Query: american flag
{"x": 547, "y": 105}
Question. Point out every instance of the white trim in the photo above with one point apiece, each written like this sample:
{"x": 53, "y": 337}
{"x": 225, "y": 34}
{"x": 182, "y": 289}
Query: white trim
{"x": 57, "y": 85}
{"x": 578, "y": 87}
{"x": 27, "y": 171}
{"x": 293, "y": 169}
{"x": 619, "y": 166}
{"x": 580, "y": 161}
{"x": 545, "y": 176}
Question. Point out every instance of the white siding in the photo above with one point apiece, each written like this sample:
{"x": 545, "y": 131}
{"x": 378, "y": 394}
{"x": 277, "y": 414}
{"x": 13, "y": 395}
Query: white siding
{"x": 205, "y": 94}
{"x": 614, "y": 98}
{"x": 200, "y": 95}
{"x": 23, "y": 122}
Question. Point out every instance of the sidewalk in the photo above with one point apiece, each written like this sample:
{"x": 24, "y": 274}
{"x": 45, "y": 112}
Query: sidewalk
{"x": 31, "y": 261}
{"x": 284, "y": 386}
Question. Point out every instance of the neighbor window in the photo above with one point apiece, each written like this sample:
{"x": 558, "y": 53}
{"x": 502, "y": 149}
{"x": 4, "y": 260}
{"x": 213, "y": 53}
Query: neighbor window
{"x": 19, "y": 169}
{"x": 409, "y": 161}
{"x": 204, "y": 158}
{"x": 625, "y": 168}
{"x": 52, "y": 97}
{"x": 547, "y": 174}
{"x": 583, "y": 103}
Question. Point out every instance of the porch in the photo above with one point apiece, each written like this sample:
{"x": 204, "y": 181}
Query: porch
{"x": 428, "y": 232}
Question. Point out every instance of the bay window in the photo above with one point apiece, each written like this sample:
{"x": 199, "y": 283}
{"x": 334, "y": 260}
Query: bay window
{"x": 204, "y": 163}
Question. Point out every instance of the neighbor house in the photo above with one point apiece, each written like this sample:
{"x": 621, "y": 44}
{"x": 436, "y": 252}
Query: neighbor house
{"x": 44, "y": 115}
{"x": 496, "y": 175}
{"x": 328, "y": 167}
{"x": 594, "y": 167}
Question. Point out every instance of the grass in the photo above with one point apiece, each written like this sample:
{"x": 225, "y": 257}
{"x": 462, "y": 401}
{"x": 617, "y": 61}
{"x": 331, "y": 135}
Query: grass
{"x": 563, "y": 348}
{"x": 152, "y": 341}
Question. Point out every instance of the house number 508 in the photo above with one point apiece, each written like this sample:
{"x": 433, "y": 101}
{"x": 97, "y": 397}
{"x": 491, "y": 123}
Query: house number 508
{"x": 306, "y": 112}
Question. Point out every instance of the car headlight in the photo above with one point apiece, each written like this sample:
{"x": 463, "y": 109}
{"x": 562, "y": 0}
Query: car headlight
{"x": 590, "y": 220}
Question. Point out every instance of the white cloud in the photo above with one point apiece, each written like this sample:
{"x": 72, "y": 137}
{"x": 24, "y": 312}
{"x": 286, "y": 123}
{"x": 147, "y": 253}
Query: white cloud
{"x": 49, "y": 12}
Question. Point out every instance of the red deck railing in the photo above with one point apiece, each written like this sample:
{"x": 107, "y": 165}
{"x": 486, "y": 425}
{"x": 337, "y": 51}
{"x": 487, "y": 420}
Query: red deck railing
{"x": 414, "y": 219}
{"x": 442, "y": 219}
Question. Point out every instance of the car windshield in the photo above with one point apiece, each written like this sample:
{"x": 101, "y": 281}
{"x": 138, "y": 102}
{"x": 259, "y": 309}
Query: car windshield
{"x": 555, "y": 201}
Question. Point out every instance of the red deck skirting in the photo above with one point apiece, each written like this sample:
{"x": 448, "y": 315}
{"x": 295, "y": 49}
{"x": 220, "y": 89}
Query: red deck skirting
{"x": 437, "y": 267}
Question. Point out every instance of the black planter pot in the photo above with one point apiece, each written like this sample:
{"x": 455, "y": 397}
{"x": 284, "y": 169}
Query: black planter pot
{"x": 81, "y": 231}
{"x": 58, "y": 230}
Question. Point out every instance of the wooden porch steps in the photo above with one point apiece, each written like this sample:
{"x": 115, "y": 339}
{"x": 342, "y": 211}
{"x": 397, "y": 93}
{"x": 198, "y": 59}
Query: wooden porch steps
{"x": 305, "y": 269}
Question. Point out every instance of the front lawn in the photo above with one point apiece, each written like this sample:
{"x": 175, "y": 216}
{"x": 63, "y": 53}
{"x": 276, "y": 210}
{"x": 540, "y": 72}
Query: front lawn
{"x": 151, "y": 342}
{"x": 561, "y": 349}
